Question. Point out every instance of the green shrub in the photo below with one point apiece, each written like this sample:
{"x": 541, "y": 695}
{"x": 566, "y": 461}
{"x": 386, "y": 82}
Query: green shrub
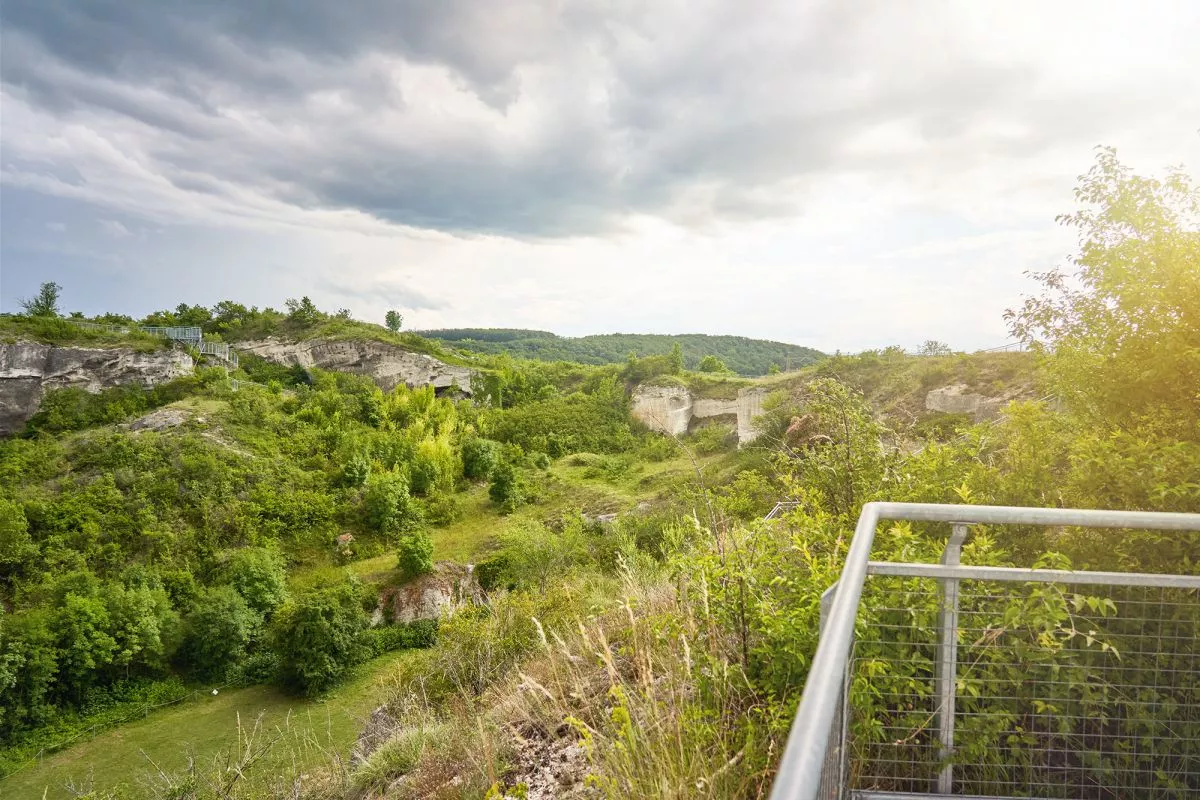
{"x": 609, "y": 468}
{"x": 506, "y": 487}
{"x": 402, "y": 636}
{"x": 714, "y": 439}
{"x": 658, "y": 447}
{"x": 259, "y": 576}
{"x": 388, "y": 505}
{"x": 443, "y": 508}
{"x": 317, "y": 638}
{"x": 415, "y": 553}
{"x": 478, "y": 457}
{"x": 217, "y": 633}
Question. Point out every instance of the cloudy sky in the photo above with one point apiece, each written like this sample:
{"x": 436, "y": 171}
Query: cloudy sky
{"x": 842, "y": 174}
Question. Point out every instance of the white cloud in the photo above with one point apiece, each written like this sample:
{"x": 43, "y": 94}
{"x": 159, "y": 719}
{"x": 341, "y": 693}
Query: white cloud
{"x": 843, "y": 175}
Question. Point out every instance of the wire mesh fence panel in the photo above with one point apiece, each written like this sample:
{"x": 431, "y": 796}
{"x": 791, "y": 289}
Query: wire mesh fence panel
{"x": 1058, "y": 691}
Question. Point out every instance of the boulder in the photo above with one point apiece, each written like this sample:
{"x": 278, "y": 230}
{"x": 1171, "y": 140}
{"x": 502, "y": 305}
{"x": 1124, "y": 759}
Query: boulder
{"x": 160, "y": 420}
{"x": 440, "y": 593}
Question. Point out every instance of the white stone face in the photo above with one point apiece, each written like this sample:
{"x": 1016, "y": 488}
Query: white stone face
{"x": 749, "y": 408}
{"x": 671, "y": 409}
{"x": 956, "y": 399}
{"x": 666, "y": 409}
{"x": 29, "y": 369}
{"x": 387, "y": 365}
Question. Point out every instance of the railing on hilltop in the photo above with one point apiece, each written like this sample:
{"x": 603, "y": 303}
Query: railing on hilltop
{"x": 999, "y": 682}
{"x": 190, "y": 335}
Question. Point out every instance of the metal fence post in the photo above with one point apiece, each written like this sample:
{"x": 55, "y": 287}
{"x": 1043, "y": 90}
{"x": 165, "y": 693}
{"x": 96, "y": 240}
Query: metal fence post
{"x": 946, "y": 668}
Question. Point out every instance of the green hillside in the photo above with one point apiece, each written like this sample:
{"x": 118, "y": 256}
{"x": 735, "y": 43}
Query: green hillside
{"x": 740, "y": 354}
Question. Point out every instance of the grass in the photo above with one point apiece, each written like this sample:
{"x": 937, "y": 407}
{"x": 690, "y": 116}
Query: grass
{"x": 60, "y": 332}
{"x": 309, "y": 731}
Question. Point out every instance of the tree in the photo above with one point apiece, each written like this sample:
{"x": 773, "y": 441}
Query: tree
{"x": 388, "y": 505}
{"x": 259, "y": 576}
{"x": 676, "y": 358}
{"x": 1121, "y": 332}
{"x": 45, "y": 304}
{"x": 302, "y": 311}
{"x": 478, "y": 457}
{"x": 933, "y": 347}
{"x": 711, "y": 363}
{"x": 85, "y": 645}
{"x": 415, "y": 554}
{"x": 143, "y": 625}
{"x": 217, "y": 633}
{"x": 28, "y": 669}
{"x": 393, "y": 319}
{"x": 16, "y": 546}
{"x": 317, "y": 638}
{"x": 505, "y": 487}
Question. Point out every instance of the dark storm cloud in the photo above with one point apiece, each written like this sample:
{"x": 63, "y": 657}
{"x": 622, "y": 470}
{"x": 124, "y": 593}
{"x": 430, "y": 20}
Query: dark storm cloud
{"x": 587, "y": 111}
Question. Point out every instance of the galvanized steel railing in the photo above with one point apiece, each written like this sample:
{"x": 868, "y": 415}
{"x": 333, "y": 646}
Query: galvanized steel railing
{"x": 190, "y": 335}
{"x": 970, "y": 681}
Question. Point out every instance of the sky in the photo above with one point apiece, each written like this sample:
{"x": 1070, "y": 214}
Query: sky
{"x": 843, "y": 175}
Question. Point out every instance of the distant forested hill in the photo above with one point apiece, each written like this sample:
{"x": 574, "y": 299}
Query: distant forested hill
{"x": 740, "y": 354}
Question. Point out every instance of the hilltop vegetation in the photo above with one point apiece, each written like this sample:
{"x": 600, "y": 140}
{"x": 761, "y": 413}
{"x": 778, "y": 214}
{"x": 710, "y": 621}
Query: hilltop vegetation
{"x": 661, "y": 651}
{"x": 736, "y": 353}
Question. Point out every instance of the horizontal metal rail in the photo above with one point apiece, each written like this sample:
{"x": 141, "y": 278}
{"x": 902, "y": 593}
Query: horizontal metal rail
{"x": 800, "y": 769}
{"x": 1021, "y": 574}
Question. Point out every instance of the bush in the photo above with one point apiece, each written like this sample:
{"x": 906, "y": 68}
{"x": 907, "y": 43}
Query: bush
{"x": 402, "y": 636}
{"x": 657, "y": 447}
{"x": 714, "y": 439}
{"x": 443, "y": 508}
{"x": 415, "y": 553}
{"x": 317, "y": 638}
{"x": 478, "y": 457}
{"x": 217, "y": 633}
{"x": 388, "y": 505}
{"x": 492, "y": 572}
{"x": 259, "y": 666}
{"x": 259, "y": 576}
{"x": 506, "y": 489}
{"x": 609, "y": 468}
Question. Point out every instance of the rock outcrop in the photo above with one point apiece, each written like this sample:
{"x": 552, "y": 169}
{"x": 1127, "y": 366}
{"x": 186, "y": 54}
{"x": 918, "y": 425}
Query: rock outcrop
{"x": 959, "y": 399}
{"x": 29, "y": 369}
{"x": 449, "y": 587}
{"x": 673, "y": 410}
{"x": 160, "y": 420}
{"x": 387, "y": 365}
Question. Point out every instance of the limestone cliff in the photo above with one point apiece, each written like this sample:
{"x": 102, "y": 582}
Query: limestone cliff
{"x": 386, "y": 364}
{"x": 672, "y": 409}
{"x": 29, "y": 369}
{"x": 959, "y": 399}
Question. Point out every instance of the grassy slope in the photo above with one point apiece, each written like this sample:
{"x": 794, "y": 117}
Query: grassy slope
{"x": 207, "y": 728}
{"x": 310, "y": 732}
{"x": 64, "y": 334}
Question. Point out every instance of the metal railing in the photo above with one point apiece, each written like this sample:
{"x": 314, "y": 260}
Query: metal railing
{"x": 968, "y": 681}
{"x": 220, "y": 350}
{"x": 191, "y": 335}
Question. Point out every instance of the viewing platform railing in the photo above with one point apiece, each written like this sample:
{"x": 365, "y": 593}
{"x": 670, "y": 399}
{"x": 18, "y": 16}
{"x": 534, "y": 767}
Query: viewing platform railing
{"x": 947, "y": 680}
{"x": 190, "y": 335}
